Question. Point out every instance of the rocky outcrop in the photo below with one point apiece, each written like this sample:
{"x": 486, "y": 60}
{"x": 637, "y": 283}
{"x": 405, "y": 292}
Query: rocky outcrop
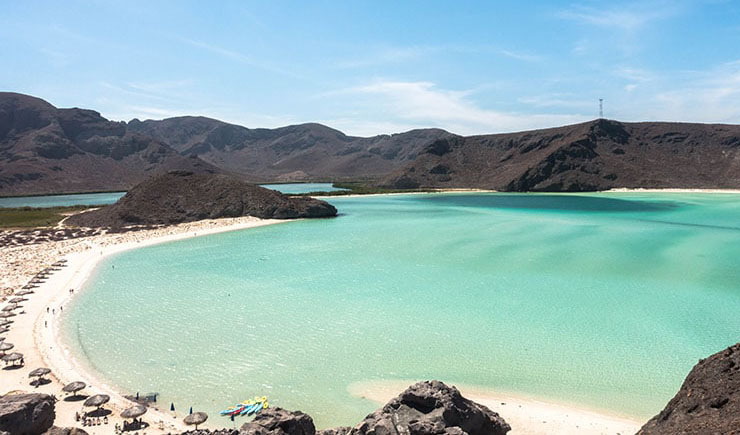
{"x": 26, "y": 414}
{"x": 596, "y": 155}
{"x": 55, "y": 430}
{"x": 425, "y": 408}
{"x": 278, "y": 421}
{"x": 431, "y": 407}
{"x": 181, "y": 196}
{"x": 708, "y": 401}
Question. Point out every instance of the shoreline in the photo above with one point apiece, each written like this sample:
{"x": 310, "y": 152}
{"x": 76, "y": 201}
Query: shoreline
{"x": 47, "y": 348}
{"x": 526, "y": 415}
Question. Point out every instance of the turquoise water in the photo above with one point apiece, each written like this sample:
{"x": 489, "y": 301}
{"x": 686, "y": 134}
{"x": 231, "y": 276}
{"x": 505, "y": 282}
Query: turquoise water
{"x": 302, "y": 187}
{"x": 61, "y": 200}
{"x": 605, "y": 300}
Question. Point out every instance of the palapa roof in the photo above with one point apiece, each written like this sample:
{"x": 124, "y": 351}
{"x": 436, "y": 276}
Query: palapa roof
{"x": 41, "y": 371}
{"x": 12, "y": 356}
{"x": 97, "y": 400}
{"x": 196, "y": 418}
{"x": 6, "y": 346}
{"x": 74, "y": 387}
{"x": 133, "y": 411}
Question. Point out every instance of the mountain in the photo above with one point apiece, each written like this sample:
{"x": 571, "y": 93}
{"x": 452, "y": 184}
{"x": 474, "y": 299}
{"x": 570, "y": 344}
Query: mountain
{"x": 48, "y": 150}
{"x": 183, "y": 196}
{"x": 595, "y": 155}
{"x": 297, "y": 152}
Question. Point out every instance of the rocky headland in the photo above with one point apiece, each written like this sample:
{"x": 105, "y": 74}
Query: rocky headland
{"x": 708, "y": 401}
{"x": 183, "y": 196}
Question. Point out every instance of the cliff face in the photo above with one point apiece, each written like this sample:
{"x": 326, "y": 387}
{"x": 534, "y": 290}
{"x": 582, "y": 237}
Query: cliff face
{"x": 44, "y": 149}
{"x": 708, "y": 401}
{"x": 597, "y": 155}
{"x": 182, "y": 196}
{"x": 297, "y": 152}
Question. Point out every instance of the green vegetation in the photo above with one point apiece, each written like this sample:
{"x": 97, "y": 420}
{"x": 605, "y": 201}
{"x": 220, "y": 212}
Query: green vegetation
{"x": 31, "y": 217}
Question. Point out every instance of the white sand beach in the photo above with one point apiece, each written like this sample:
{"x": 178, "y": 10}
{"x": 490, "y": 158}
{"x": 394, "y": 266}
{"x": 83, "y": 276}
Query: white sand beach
{"x": 526, "y": 416}
{"x": 35, "y": 332}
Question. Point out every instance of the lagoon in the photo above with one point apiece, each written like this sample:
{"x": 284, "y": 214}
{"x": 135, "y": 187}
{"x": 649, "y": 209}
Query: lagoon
{"x": 601, "y": 300}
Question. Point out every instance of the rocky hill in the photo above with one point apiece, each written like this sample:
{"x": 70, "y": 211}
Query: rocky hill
{"x": 708, "y": 401}
{"x": 182, "y": 196}
{"x": 294, "y": 153}
{"x": 44, "y": 149}
{"x": 596, "y": 155}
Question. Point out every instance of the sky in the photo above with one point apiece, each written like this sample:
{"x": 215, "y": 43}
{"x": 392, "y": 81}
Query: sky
{"x": 379, "y": 67}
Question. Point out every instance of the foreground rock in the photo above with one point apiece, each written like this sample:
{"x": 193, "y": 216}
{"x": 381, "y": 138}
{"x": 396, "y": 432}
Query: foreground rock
{"x": 55, "y": 430}
{"x": 708, "y": 401}
{"x": 431, "y": 407}
{"x": 26, "y": 414}
{"x": 182, "y": 196}
{"x": 425, "y": 408}
{"x": 278, "y": 421}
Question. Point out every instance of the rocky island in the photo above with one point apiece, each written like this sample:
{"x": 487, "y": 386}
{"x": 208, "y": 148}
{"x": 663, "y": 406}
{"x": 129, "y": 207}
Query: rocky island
{"x": 185, "y": 196}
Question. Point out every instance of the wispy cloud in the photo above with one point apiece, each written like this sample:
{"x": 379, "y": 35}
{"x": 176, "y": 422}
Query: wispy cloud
{"x": 389, "y": 55}
{"x": 627, "y": 18}
{"x": 239, "y": 57}
{"x": 423, "y": 104}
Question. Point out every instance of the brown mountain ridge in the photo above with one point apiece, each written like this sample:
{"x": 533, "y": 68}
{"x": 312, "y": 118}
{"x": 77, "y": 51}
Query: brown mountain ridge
{"x": 48, "y": 150}
{"x": 596, "y": 155}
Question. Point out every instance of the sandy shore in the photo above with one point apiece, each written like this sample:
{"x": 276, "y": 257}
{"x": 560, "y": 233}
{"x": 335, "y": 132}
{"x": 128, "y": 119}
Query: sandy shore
{"x": 35, "y": 332}
{"x": 671, "y": 190}
{"x": 526, "y": 416}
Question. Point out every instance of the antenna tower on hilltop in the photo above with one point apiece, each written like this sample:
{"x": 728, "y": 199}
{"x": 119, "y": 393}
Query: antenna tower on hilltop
{"x": 601, "y": 108}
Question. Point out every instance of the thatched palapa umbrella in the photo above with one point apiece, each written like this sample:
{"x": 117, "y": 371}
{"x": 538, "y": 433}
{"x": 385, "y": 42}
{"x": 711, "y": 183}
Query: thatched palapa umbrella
{"x": 5, "y": 346}
{"x": 7, "y": 314}
{"x": 24, "y": 292}
{"x": 4, "y": 329}
{"x": 196, "y": 418}
{"x": 39, "y": 373}
{"x": 74, "y": 387}
{"x": 12, "y": 357}
{"x": 134, "y": 411}
{"x": 97, "y": 400}
{"x": 10, "y": 307}
{"x": 17, "y": 300}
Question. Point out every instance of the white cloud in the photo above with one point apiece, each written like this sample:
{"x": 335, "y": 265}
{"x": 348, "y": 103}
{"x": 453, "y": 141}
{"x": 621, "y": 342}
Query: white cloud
{"x": 238, "y": 57}
{"x": 422, "y": 104}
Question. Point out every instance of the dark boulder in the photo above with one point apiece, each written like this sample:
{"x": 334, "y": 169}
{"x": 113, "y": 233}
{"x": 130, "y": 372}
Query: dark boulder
{"x": 431, "y": 407}
{"x": 26, "y": 414}
{"x": 55, "y": 430}
{"x": 278, "y": 421}
{"x": 708, "y": 401}
{"x": 183, "y": 196}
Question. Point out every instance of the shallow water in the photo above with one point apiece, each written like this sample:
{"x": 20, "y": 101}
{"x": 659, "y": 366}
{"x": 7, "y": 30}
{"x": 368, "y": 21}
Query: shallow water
{"x": 602, "y": 300}
{"x": 61, "y": 200}
{"x": 302, "y": 187}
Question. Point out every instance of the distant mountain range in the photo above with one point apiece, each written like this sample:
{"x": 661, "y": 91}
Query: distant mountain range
{"x": 48, "y": 150}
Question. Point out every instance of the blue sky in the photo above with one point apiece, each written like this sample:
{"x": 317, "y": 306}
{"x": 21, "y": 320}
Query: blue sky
{"x": 372, "y": 67}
